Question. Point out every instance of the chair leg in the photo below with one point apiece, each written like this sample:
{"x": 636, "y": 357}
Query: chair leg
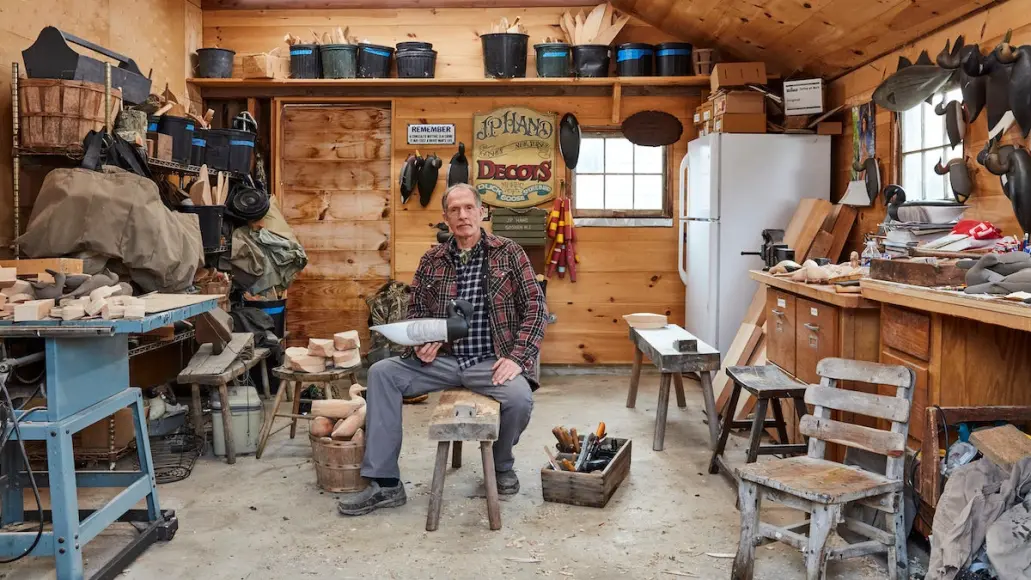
{"x": 678, "y": 384}
{"x": 195, "y": 411}
{"x": 758, "y": 424}
{"x": 227, "y": 424}
{"x": 264, "y": 379}
{"x": 456, "y": 454}
{"x": 437, "y": 487}
{"x": 728, "y": 420}
{"x": 824, "y": 519}
{"x": 711, "y": 414}
{"x": 660, "y": 412}
{"x": 749, "y": 500}
{"x": 635, "y": 378}
{"x": 296, "y": 408}
{"x": 270, "y": 418}
{"x": 778, "y": 416}
{"x": 490, "y": 481}
{"x": 898, "y": 555}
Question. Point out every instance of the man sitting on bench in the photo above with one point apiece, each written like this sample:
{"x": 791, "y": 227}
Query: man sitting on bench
{"x": 497, "y": 359}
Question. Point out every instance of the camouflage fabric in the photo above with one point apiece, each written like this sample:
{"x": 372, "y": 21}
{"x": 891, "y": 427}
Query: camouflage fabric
{"x": 388, "y": 304}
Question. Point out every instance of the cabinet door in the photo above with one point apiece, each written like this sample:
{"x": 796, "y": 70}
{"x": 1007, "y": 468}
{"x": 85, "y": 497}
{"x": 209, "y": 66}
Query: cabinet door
{"x": 816, "y": 325}
{"x": 780, "y": 329}
{"x": 918, "y": 412}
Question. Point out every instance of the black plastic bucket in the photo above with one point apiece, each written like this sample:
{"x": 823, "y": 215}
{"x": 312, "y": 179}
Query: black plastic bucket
{"x": 339, "y": 61}
{"x": 241, "y": 150}
{"x": 504, "y": 55}
{"x": 634, "y": 59}
{"x": 416, "y": 63}
{"x": 552, "y": 59}
{"x": 215, "y": 63}
{"x": 374, "y": 61}
{"x": 414, "y": 45}
{"x": 153, "y": 123}
{"x": 673, "y": 59}
{"x": 274, "y": 308}
{"x": 210, "y": 217}
{"x": 200, "y": 143}
{"x": 591, "y": 60}
{"x": 305, "y": 62}
{"x": 216, "y": 149}
{"x": 181, "y": 131}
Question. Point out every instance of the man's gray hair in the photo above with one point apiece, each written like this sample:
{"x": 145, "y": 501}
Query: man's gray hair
{"x": 458, "y": 186}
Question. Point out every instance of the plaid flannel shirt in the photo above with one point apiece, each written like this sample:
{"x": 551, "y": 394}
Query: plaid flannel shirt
{"x": 516, "y": 309}
{"x": 478, "y": 346}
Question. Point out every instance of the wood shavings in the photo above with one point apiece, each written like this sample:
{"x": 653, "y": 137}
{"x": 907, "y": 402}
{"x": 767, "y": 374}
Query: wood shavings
{"x": 722, "y": 555}
{"x": 679, "y": 573}
{"x": 523, "y": 560}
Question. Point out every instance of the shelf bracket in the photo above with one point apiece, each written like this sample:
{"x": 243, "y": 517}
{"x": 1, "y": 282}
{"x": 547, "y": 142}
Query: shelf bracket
{"x": 617, "y": 103}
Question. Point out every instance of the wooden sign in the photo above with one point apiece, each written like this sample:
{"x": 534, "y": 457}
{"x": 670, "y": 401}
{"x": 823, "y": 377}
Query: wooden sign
{"x": 514, "y": 151}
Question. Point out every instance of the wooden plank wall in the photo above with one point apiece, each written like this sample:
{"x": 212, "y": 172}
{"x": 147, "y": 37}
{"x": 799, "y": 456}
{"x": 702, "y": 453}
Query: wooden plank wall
{"x": 154, "y": 33}
{"x": 987, "y": 202}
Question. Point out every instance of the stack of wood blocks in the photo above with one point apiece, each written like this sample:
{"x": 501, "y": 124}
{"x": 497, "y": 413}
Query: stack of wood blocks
{"x": 341, "y": 351}
{"x": 107, "y": 302}
{"x": 818, "y": 229}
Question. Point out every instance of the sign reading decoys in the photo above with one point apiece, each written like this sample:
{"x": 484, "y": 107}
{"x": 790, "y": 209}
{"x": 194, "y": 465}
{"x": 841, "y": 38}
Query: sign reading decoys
{"x": 514, "y": 156}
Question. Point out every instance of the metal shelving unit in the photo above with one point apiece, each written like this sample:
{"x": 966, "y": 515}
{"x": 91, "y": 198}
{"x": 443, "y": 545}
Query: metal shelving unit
{"x": 149, "y": 346}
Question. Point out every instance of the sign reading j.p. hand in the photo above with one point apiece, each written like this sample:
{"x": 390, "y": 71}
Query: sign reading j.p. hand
{"x": 514, "y": 156}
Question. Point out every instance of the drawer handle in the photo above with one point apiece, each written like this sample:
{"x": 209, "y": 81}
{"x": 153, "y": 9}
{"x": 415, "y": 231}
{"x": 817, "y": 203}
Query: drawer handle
{"x": 812, "y": 327}
{"x": 777, "y": 312}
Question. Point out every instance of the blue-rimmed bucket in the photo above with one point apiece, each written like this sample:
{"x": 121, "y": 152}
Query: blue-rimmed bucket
{"x": 634, "y": 59}
{"x": 553, "y": 59}
{"x": 241, "y": 150}
{"x": 200, "y": 143}
{"x": 673, "y": 59}
{"x": 305, "y": 62}
{"x": 180, "y": 129}
{"x": 374, "y": 61}
{"x": 274, "y": 308}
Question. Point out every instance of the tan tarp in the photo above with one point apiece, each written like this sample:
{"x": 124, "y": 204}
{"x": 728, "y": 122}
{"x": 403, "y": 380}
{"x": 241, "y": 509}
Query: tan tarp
{"x": 118, "y": 215}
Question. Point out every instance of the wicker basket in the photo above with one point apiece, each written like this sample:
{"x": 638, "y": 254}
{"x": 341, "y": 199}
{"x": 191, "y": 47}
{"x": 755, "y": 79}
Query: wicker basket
{"x": 56, "y": 115}
{"x": 337, "y": 464}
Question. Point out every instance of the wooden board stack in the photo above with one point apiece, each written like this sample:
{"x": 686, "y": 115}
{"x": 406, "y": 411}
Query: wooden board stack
{"x": 107, "y": 302}
{"x": 341, "y": 351}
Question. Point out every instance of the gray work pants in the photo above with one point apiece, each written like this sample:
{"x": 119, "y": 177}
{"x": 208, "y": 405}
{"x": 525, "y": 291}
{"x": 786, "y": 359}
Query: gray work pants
{"x": 394, "y": 378}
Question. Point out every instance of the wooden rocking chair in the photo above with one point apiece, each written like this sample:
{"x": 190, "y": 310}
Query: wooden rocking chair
{"x": 825, "y": 488}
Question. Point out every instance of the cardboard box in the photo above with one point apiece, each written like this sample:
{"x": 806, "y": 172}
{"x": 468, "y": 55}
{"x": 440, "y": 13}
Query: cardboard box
{"x": 703, "y": 113}
{"x": 162, "y": 146}
{"x": 739, "y": 123}
{"x": 803, "y": 97}
{"x": 830, "y": 128}
{"x": 265, "y": 65}
{"x": 98, "y": 437}
{"x": 737, "y": 74}
{"x": 739, "y": 102}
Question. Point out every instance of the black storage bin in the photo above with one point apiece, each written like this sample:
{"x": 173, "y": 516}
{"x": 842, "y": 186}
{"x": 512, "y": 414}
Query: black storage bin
{"x": 374, "y": 61}
{"x": 200, "y": 143}
{"x": 216, "y": 149}
{"x": 153, "y": 123}
{"x": 181, "y": 131}
{"x": 215, "y": 63}
{"x": 210, "y": 217}
{"x": 241, "y": 150}
{"x": 414, "y": 45}
{"x": 553, "y": 59}
{"x": 591, "y": 60}
{"x": 339, "y": 61}
{"x": 274, "y": 308}
{"x": 634, "y": 59}
{"x": 673, "y": 59}
{"x": 416, "y": 63}
{"x": 504, "y": 55}
{"x": 305, "y": 62}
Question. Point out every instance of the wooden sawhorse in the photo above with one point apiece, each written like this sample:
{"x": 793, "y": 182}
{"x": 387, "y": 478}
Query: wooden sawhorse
{"x": 660, "y": 346}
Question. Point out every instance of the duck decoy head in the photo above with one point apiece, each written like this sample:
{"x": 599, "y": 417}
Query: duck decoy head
{"x": 1005, "y": 53}
{"x": 995, "y": 161}
{"x": 857, "y": 166}
{"x": 970, "y": 60}
{"x": 951, "y": 59}
{"x": 941, "y": 169}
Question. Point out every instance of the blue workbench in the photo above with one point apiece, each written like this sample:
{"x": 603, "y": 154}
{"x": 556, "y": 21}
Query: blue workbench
{"x": 87, "y": 379}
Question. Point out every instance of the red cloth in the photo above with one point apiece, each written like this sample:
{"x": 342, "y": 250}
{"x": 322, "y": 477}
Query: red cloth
{"x": 977, "y": 230}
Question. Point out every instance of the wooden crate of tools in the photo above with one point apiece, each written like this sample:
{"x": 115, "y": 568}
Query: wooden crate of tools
{"x": 587, "y": 489}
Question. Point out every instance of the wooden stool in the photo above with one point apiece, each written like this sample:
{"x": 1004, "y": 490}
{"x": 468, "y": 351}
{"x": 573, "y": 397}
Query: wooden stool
{"x": 462, "y": 415}
{"x": 298, "y": 379}
{"x": 659, "y": 345}
{"x": 765, "y": 383}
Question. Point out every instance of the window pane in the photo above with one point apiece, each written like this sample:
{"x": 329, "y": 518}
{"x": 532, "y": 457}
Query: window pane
{"x": 934, "y": 127}
{"x": 619, "y": 156}
{"x": 590, "y": 191}
{"x": 647, "y": 159}
{"x": 592, "y": 155}
{"x": 934, "y": 184}
{"x": 912, "y": 176}
{"x": 648, "y": 192}
{"x": 619, "y": 192}
{"x": 911, "y": 130}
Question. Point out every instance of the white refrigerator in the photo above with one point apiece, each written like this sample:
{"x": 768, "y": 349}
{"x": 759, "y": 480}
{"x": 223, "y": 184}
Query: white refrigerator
{"x": 731, "y": 188}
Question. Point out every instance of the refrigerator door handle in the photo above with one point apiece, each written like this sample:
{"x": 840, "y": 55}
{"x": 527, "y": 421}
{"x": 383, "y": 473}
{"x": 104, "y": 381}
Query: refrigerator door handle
{"x": 681, "y": 244}
{"x": 683, "y": 185}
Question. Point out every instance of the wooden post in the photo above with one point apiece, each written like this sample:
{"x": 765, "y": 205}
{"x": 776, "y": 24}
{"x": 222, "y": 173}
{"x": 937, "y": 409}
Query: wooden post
{"x": 195, "y": 411}
{"x": 490, "y": 481}
{"x": 678, "y": 383}
{"x": 710, "y": 407}
{"x": 824, "y": 519}
{"x": 660, "y": 412}
{"x": 635, "y": 378}
{"x": 898, "y": 556}
{"x": 617, "y": 103}
{"x": 437, "y": 487}
{"x": 749, "y": 502}
{"x": 456, "y": 454}
{"x": 227, "y": 423}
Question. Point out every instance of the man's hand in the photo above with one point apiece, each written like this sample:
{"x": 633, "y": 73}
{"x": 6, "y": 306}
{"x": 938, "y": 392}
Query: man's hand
{"x": 505, "y": 370}
{"x": 427, "y": 352}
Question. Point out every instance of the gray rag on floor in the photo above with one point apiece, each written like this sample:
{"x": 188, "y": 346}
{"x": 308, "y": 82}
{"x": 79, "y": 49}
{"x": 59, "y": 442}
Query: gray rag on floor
{"x": 1000, "y": 274}
{"x": 982, "y": 500}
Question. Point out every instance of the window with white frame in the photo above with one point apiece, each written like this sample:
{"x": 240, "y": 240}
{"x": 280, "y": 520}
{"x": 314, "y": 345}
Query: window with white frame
{"x": 924, "y": 142}
{"x": 615, "y": 178}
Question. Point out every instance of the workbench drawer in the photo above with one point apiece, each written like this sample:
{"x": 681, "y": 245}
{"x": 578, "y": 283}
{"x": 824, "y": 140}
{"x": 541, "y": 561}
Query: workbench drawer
{"x": 816, "y": 328}
{"x": 906, "y": 331}
{"x": 780, "y": 329}
{"x": 918, "y": 411}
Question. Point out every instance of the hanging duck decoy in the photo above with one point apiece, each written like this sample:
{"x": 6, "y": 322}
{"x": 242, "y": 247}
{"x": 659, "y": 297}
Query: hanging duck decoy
{"x": 871, "y": 176}
{"x": 997, "y": 87}
{"x": 959, "y": 178}
{"x": 966, "y": 61}
{"x": 894, "y": 197}
{"x": 569, "y": 140}
{"x": 1016, "y": 167}
{"x": 427, "y": 179}
{"x": 912, "y": 84}
{"x": 409, "y": 176}
{"x": 458, "y": 170}
{"x": 1019, "y": 60}
{"x": 955, "y": 121}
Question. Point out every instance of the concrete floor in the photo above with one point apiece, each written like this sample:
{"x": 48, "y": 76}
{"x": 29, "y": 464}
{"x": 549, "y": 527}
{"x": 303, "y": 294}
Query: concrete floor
{"x": 670, "y": 518}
